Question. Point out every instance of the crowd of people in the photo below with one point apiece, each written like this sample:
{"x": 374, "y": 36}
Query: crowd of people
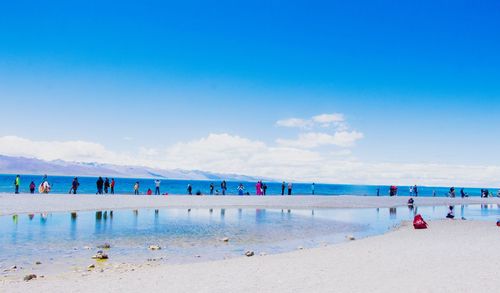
{"x": 107, "y": 186}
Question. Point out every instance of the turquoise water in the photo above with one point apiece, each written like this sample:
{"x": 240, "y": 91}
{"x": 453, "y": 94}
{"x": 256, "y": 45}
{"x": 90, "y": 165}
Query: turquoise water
{"x": 62, "y": 184}
{"x": 62, "y": 241}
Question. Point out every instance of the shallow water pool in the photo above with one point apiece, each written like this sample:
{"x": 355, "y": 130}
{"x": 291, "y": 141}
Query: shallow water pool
{"x": 66, "y": 241}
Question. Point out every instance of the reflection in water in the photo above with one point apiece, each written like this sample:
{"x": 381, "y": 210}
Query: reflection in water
{"x": 392, "y": 213}
{"x": 199, "y": 233}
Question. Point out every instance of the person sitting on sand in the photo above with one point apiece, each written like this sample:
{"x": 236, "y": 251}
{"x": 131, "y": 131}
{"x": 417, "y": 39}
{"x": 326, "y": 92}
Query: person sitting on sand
{"x": 410, "y": 202}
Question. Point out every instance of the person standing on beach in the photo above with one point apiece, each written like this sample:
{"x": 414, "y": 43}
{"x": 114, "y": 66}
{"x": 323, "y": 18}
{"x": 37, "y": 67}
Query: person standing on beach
{"x": 99, "y": 184}
{"x": 112, "y": 185}
{"x": 312, "y": 188}
{"x": 157, "y": 187}
{"x": 283, "y": 188}
{"x": 136, "y": 188}
{"x": 223, "y": 187}
{"x": 106, "y": 185}
{"x": 378, "y": 191}
{"x": 290, "y": 188}
{"x": 258, "y": 188}
{"x": 74, "y": 186}
{"x": 415, "y": 190}
{"x": 211, "y": 189}
{"x": 241, "y": 189}
{"x": 190, "y": 189}
{"x": 264, "y": 188}
{"x": 452, "y": 192}
{"x": 32, "y": 187}
{"x": 17, "y": 183}
{"x": 462, "y": 193}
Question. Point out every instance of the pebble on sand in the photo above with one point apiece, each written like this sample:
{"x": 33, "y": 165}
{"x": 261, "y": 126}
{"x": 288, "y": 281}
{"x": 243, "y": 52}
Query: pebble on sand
{"x": 29, "y": 277}
{"x": 154, "y": 247}
{"x": 100, "y": 255}
{"x": 249, "y": 253}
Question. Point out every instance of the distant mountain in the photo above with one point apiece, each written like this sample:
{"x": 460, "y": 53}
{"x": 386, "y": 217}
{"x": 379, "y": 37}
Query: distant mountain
{"x": 22, "y": 165}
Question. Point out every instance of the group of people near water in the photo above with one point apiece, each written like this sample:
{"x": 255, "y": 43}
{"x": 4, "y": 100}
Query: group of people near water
{"x": 107, "y": 186}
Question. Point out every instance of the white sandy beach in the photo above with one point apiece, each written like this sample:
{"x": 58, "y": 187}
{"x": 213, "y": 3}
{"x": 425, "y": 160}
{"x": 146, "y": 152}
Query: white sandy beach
{"x": 12, "y": 204}
{"x": 450, "y": 256}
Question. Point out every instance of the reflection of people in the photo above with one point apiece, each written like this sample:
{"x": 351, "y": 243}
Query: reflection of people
{"x": 451, "y": 214}
{"x": 392, "y": 213}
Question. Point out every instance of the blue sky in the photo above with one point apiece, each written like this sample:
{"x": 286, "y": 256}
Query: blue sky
{"x": 418, "y": 80}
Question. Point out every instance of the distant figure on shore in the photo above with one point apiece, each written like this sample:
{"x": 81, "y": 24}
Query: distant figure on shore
{"x": 283, "y": 188}
{"x": 190, "y": 189}
{"x": 462, "y": 193}
{"x": 452, "y": 192}
{"x": 258, "y": 188}
{"x": 393, "y": 191}
{"x": 112, "y": 185}
{"x": 378, "y": 191}
{"x": 136, "y": 188}
{"x": 264, "y": 188}
{"x": 415, "y": 190}
{"x": 157, "y": 187}
{"x": 289, "y": 188}
{"x": 312, "y": 188}
{"x": 99, "y": 184}
{"x": 149, "y": 192}
{"x": 44, "y": 186}
{"x": 223, "y": 187}
{"x": 485, "y": 193}
{"x": 433, "y": 193}
{"x": 32, "y": 187}
{"x": 106, "y": 185}
{"x": 17, "y": 183}
{"x": 498, "y": 193}
{"x": 212, "y": 189}
{"x": 241, "y": 189}
{"x": 411, "y": 190}
{"x": 74, "y": 186}
{"x": 411, "y": 202}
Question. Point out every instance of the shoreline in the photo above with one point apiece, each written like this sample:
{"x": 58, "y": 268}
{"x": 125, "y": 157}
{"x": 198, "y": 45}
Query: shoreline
{"x": 444, "y": 260}
{"x": 11, "y": 204}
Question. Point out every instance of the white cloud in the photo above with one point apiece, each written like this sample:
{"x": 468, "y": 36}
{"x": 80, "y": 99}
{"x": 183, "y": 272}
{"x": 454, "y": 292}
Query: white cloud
{"x": 317, "y": 139}
{"x": 329, "y": 118}
{"x": 227, "y": 153}
{"x": 323, "y": 120}
{"x": 294, "y": 122}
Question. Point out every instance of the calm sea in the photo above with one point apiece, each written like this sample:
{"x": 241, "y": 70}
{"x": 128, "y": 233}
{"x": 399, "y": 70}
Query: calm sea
{"x": 62, "y": 184}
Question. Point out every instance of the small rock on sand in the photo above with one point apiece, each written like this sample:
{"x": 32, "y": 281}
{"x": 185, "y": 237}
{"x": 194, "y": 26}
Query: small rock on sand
{"x": 350, "y": 237}
{"x": 249, "y": 253}
{"x": 29, "y": 277}
{"x": 225, "y": 239}
{"x": 100, "y": 255}
{"x": 154, "y": 247}
{"x": 38, "y": 263}
{"x": 104, "y": 246}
